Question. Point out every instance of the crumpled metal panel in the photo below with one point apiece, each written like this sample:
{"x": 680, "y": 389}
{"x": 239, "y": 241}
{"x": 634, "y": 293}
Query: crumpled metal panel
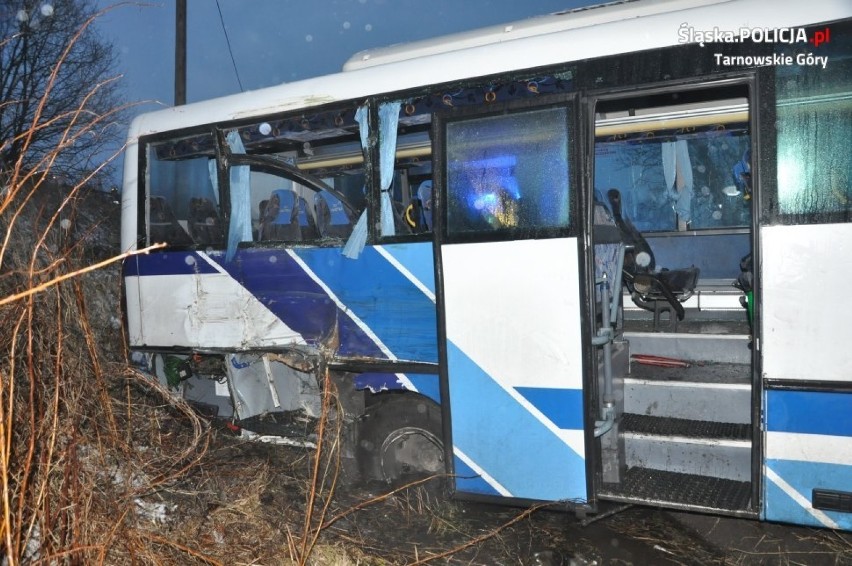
{"x": 260, "y": 385}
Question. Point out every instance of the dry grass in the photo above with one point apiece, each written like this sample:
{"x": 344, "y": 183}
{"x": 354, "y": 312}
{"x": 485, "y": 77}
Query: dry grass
{"x": 80, "y": 449}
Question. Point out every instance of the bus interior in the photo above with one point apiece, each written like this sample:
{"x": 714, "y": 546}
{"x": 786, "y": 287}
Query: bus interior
{"x": 673, "y": 208}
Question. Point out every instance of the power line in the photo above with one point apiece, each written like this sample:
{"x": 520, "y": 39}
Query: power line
{"x": 230, "y": 51}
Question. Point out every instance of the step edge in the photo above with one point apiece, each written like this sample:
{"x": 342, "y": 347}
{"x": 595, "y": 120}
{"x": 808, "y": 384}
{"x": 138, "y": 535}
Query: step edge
{"x": 696, "y": 440}
{"x": 685, "y": 383}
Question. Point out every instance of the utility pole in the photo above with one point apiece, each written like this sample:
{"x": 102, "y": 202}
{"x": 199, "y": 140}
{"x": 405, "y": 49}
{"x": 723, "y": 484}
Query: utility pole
{"x": 180, "y": 52}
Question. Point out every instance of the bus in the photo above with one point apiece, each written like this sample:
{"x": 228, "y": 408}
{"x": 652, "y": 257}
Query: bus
{"x": 593, "y": 258}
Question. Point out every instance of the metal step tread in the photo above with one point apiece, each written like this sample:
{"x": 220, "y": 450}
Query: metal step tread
{"x": 669, "y": 426}
{"x": 729, "y": 322}
{"x": 687, "y": 490}
{"x": 697, "y": 372}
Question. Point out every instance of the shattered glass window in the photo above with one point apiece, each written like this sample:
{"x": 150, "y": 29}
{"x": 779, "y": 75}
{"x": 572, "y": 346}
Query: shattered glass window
{"x": 324, "y": 145}
{"x": 508, "y": 172}
{"x": 814, "y": 121}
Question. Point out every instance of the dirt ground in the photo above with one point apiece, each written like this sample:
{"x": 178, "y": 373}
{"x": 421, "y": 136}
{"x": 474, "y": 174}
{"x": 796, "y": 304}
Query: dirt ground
{"x": 247, "y": 501}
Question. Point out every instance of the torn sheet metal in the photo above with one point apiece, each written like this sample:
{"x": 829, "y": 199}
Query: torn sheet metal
{"x": 260, "y": 385}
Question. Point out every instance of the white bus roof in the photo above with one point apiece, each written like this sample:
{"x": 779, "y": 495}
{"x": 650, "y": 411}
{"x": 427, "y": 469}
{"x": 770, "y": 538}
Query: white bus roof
{"x": 597, "y": 14}
{"x": 569, "y": 36}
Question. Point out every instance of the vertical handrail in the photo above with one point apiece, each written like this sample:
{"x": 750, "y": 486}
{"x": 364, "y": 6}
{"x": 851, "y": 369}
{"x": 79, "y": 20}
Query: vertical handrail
{"x": 604, "y": 338}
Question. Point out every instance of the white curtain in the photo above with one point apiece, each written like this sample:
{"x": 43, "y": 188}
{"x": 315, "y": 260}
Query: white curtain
{"x": 677, "y": 170}
{"x": 669, "y": 155}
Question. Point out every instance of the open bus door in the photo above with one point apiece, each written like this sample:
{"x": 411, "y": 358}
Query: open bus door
{"x": 669, "y": 174}
{"x": 511, "y": 306}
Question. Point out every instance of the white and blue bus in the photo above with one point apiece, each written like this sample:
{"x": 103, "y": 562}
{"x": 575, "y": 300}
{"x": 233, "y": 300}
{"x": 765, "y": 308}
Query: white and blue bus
{"x": 596, "y": 256}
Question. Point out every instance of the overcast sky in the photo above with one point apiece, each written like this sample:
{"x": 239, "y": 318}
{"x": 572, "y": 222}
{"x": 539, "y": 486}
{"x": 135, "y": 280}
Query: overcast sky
{"x": 275, "y": 41}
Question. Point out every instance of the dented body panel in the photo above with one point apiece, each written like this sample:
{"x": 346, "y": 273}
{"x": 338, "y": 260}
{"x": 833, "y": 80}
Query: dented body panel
{"x": 272, "y": 299}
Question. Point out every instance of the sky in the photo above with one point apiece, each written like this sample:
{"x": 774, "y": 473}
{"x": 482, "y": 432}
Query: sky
{"x": 277, "y": 41}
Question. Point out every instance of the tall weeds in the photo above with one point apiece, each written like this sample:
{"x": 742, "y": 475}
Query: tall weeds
{"x": 71, "y": 413}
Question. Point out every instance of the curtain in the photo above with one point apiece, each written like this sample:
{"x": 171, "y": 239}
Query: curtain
{"x": 677, "y": 170}
{"x": 388, "y": 122}
{"x": 669, "y": 155}
{"x": 240, "y": 227}
{"x": 355, "y": 244}
{"x": 213, "y": 172}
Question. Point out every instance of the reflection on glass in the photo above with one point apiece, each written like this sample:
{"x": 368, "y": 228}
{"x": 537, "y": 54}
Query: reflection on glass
{"x": 716, "y": 194}
{"x": 509, "y": 171}
{"x": 183, "y": 200}
{"x": 814, "y": 123}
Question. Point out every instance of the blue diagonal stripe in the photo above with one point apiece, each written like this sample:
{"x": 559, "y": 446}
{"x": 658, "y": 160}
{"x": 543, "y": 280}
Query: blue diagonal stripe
{"x": 508, "y": 442}
{"x": 558, "y": 405}
{"x": 399, "y": 313}
{"x": 804, "y": 477}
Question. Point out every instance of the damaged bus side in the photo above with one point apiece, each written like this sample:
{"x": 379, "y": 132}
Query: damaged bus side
{"x": 583, "y": 273}
{"x": 240, "y": 319}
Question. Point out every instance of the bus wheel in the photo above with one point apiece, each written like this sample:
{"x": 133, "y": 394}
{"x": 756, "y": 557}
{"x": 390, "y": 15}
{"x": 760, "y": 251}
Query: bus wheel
{"x": 400, "y": 439}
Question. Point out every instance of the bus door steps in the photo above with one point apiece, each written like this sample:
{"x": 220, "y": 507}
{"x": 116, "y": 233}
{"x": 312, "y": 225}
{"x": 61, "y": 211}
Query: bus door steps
{"x": 685, "y": 491}
{"x": 704, "y": 391}
{"x": 705, "y": 448}
{"x": 710, "y": 347}
{"x": 657, "y": 426}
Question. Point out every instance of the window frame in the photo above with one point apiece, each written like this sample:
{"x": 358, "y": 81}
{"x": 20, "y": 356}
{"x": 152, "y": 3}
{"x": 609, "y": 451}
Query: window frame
{"x": 569, "y": 101}
{"x": 143, "y": 183}
{"x": 272, "y": 165}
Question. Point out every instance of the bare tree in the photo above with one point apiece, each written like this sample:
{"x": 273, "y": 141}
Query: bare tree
{"x": 56, "y": 87}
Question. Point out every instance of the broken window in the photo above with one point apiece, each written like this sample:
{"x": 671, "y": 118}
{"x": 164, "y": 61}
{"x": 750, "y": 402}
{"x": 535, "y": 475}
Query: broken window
{"x": 412, "y": 188}
{"x": 306, "y": 176}
{"x": 183, "y": 207}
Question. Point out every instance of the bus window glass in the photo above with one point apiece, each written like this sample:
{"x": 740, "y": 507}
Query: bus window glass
{"x": 507, "y": 172}
{"x": 713, "y": 198}
{"x": 412, "y": 190}
{"x": 814, "y": 118}
{"x": 183, "y": 199}
{"x": 678, "y": 166}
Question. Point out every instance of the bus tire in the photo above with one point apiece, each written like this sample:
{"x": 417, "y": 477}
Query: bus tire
{"x": 400, "y": 439}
